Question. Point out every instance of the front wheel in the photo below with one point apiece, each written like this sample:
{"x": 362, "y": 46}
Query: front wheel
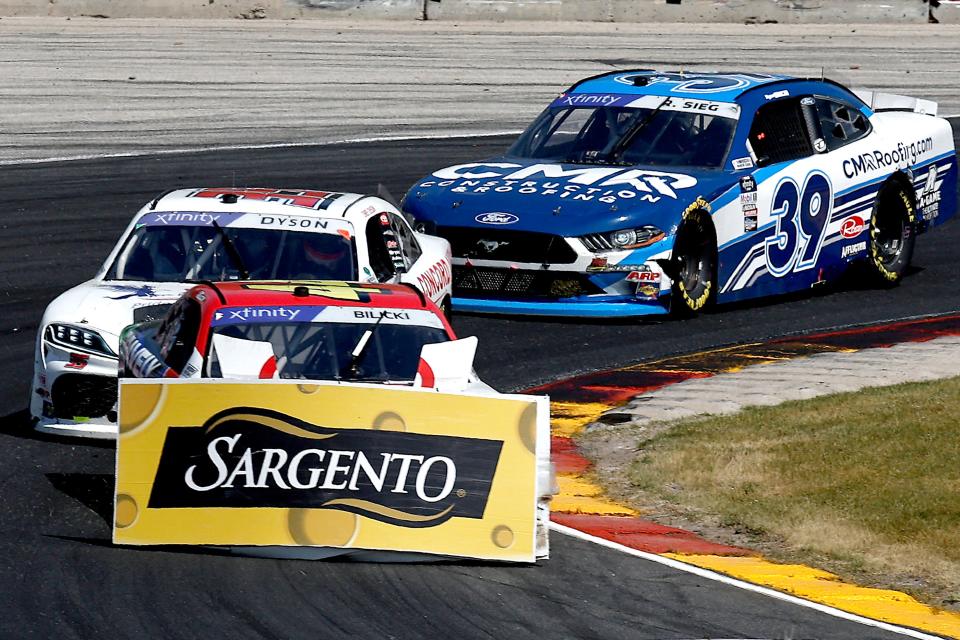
{"x": 694, "y": 264}
{"x": 893, "y": 234}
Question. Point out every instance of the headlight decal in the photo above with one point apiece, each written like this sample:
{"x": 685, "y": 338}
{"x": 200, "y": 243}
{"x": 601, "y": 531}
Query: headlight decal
{"x": 73, "y": 338}
{"x": 623, "y": 239}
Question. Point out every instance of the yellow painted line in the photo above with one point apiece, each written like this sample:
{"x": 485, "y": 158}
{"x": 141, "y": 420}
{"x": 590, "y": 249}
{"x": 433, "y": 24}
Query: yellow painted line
{"x": 579, "y": 495}
{"x": 828, "y": 589}
{"x": 569, "y": 418}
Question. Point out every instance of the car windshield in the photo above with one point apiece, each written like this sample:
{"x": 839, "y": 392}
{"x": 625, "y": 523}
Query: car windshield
{"x": 159, "y": 253}
{"x": 322, "y": 350}
{"x": 627, "y": 136}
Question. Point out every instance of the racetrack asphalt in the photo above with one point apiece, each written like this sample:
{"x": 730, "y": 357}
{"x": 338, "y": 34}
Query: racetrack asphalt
{"x": 60, "y": 576}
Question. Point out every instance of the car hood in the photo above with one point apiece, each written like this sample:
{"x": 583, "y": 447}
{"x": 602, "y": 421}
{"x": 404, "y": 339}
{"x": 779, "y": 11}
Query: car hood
{"x": 531, "y": 195}
{"x": 108, "y": 307}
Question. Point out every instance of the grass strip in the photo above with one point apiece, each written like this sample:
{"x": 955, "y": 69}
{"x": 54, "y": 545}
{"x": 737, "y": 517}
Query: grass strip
{"x": 864, "y": 484}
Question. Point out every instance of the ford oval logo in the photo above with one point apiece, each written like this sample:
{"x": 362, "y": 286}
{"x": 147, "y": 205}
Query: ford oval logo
{"x": 496, "y": 218}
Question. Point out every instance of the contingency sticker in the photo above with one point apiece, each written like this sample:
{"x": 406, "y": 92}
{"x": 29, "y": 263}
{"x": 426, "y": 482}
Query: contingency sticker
{"x": 748, "y": 203}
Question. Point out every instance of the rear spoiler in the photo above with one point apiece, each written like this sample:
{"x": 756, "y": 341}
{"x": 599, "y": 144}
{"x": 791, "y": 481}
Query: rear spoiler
{"x": 893, "y": 102}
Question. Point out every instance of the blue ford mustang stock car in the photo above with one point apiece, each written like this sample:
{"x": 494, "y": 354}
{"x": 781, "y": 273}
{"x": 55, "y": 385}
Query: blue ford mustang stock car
{"x": 641, "y": 192}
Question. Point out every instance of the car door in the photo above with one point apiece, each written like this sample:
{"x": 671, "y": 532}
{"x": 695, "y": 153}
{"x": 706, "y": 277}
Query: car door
{"x": 788, "y": 201}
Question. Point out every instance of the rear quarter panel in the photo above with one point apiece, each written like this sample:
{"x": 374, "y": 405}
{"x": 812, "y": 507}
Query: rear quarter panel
{"x": 757, "y": 263}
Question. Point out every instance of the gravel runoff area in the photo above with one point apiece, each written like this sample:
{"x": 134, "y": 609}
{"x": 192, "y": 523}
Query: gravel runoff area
{"x": 797, "y": 379}
{"x": 85, "y": 86}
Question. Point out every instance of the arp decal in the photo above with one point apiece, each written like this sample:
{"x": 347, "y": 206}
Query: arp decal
{"x": 801, "y": 216}
{"x": 648, "y": 284}
{"x": 605, "y": 184}
{"x": 497, "y": 218}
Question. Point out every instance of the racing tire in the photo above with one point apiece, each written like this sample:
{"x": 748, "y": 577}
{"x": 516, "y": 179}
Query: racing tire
{"x": 893, "y": 234}
{"x": 447, "y": 308}
{"x": 694, "y": 265}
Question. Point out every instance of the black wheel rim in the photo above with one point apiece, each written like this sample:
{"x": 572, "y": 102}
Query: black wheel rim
{"x": 889, "y": 235}
{"x": 694, "y": 260}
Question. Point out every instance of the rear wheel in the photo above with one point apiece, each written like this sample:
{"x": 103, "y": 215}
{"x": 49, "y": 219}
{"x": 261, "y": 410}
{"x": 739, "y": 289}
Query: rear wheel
{"x": 893, "y": 231}
{"x": 694, "y": 264}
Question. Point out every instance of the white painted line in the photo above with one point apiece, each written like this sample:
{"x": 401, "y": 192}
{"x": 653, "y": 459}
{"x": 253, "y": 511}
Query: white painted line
{"x": 740, "y": 584}
{"x": 276, "y": 145}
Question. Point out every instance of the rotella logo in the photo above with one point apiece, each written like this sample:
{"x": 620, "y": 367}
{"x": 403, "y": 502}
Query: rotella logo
{"x": 251, "y": 457}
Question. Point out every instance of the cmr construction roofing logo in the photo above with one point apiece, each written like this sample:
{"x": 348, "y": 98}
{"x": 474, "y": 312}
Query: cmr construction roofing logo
{"x": 251, "y": 457}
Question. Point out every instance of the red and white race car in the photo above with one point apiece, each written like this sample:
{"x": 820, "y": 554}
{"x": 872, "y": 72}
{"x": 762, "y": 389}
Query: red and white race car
{"x": 319, "y": 330}
{"x": 189, "y": 235}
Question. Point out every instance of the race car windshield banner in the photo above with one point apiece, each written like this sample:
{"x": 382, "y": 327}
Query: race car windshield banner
{"x": 353, "y": 466}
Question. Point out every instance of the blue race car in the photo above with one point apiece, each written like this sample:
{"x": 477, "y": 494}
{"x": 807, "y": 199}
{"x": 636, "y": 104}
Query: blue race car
{"x": 640, "y": 192}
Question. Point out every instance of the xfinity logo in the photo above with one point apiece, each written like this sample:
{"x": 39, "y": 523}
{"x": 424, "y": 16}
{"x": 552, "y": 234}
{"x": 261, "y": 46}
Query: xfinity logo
{"x": 250, "y": 313}
{"x": 182, "y": 217}
{"x": 497, "y": 218}
{"x": 587, "y": 100}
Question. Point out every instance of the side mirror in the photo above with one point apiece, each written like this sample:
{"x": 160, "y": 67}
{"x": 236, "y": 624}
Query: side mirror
{"x": 447, "y": 366}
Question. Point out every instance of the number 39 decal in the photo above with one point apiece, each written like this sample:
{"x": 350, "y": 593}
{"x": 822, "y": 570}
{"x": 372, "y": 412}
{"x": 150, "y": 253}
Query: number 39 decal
{"x": 801, "y": 216}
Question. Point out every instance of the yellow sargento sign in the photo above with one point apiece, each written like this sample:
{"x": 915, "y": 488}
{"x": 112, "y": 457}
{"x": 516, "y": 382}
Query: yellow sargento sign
{"x": 350, "y": 466}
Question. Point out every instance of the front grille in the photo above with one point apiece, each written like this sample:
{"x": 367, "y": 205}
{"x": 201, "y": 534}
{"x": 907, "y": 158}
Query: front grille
{"x": 485, "y": 282}
{"x": 507, "y": 245}
{"x": 79, "y": 395}
{"x": 150, "y": 312}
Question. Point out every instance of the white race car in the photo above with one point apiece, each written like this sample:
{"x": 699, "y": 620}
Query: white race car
{"x": 190, "y": 235}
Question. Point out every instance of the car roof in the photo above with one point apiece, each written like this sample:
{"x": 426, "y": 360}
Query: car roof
{"x": 323, "y": 293}
{"x": 719, "y": 87}
{"x": 265, "y": 201}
